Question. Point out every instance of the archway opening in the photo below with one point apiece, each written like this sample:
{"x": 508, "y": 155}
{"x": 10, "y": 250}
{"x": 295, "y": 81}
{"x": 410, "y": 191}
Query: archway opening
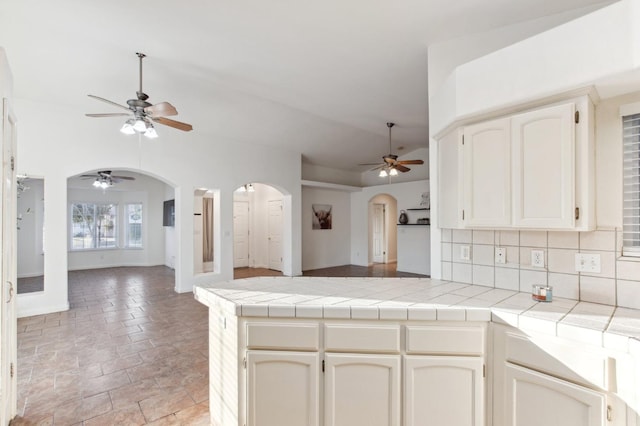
{"x": 258, "y": 229}
{"x": 120, "y": 218}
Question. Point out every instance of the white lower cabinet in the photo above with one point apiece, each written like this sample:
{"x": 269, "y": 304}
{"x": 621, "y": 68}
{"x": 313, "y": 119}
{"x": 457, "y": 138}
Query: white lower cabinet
{"x": 536, "y": 399}
{"x": 282, "y": 388}
{"x": 443, "y": 390}
{"x": 362, "y": 390}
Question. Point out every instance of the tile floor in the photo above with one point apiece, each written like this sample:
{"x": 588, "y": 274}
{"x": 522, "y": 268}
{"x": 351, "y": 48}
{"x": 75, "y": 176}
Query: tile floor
{"x": 129, "y": 351}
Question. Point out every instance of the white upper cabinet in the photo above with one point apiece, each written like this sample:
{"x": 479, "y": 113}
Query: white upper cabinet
{"x": 531, "y": 170}
{"x": 543, "y": 144}
{"x": 487, "y": 174}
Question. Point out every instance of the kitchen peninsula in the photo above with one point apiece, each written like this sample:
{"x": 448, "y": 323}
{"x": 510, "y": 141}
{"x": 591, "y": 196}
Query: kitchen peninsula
{"x": 390, "y": 351}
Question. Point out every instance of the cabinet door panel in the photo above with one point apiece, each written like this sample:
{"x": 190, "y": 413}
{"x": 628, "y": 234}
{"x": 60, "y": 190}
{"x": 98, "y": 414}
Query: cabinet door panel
{"x": 362, "y": 390}
{"x": 544, "y": 167}
{"x": 487, "y": 171}
{"x": 282, "y": 388}
{"x": 443, "y": 390}
{"x": 535, "y": 399}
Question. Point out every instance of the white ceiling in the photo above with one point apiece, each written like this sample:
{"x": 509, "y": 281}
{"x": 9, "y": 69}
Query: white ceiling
{"x": 320, "y": 78}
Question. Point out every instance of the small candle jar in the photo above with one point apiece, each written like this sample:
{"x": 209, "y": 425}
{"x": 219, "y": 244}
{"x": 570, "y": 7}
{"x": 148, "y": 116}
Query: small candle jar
{"x": 542, "y": 293}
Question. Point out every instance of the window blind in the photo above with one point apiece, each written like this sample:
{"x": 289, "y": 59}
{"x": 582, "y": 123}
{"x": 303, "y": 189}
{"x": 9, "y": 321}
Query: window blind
{"x": 631, "y": 192}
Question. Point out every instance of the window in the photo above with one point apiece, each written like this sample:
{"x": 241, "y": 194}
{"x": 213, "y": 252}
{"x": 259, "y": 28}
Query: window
{"x": 631, "y": 191}
{"x": 93, "y": 226}
{"x": 133, "y": 225}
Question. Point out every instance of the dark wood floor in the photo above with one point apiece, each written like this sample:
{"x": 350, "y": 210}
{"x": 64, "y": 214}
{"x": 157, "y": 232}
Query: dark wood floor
{"x": 375, "y": 270}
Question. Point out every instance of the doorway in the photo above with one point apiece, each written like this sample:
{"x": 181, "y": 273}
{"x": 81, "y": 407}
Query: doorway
{"x": 383, "y": 245}
{"x": 275, "y": 235}
{"x": 241, "y": 234}
{"x": 257, "y": 229}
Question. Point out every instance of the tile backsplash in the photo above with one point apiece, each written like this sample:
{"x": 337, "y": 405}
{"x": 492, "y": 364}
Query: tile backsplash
{"x": 617, "y": 283}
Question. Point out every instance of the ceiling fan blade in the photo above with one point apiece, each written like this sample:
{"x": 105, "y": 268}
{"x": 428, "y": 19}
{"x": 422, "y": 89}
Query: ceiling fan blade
{"x": 173, "y": 123}
{"x": 161, "y": 109}
{"x": 410, "y": 162}
{"x": 123, "y": 177}
{"x": 114, "y": 114}
{"x": 369, "y": 164}
{"x": 88, "y": 176}
{"x": 402, "y": 168}
{"x": 109, "y": 102}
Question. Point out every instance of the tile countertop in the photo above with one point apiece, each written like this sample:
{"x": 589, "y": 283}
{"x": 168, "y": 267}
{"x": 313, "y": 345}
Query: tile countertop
{"x": 427, "y": 300}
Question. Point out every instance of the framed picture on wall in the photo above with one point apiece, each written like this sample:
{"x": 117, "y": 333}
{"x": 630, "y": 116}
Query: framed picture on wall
{"x": 321, "y": 216}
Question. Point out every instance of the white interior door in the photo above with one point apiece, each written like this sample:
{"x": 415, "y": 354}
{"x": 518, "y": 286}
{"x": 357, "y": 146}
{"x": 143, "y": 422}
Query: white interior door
{"x": 275, "y": 235}
{"x": 8, "y": 319}
{"x": 240, "y": 234}
{"x": 378, "y": 248}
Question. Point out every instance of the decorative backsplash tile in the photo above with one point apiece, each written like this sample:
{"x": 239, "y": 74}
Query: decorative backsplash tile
{"x": 617, "y": 283}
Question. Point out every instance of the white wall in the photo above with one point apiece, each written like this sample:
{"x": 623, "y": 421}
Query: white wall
{"x": 324, "y": 248}
{"x": 445, "y": 56}
{"x": 29, "y": 235}
{"x": 317, "y": 173}
{"x": 54, "y": 143}
{"x": 408, "y": 195}
{"x": 145, "y": 190}
{"x": 589, "y": 50}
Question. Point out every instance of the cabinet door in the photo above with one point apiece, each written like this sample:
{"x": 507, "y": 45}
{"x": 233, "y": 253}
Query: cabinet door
{"x": 362, "y": 390}
{"x": 544, "y": 167}
{"x": 487, "y": 174}
{"x": 450, "y": 180}
{"x": 443, "y": 390}
{"x": 282, "y": 388}
{"x": 535, "y": 399}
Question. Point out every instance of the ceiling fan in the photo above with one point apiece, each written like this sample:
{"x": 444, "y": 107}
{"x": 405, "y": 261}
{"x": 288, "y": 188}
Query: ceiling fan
{"x": 104, "y": 179}
{"x": 142, "y": 113}
{"x": 390, "y": 165}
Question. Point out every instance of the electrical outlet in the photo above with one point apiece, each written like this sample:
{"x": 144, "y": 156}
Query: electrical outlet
{"x": 465, "y": 252}
{"x": 501, "y": 255}
{"x": 588, "y": 263}
{"x": 537, "y": 258}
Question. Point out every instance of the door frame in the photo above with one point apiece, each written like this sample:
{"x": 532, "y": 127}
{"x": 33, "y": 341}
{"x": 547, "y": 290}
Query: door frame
{"x": 8, "y": 269}
{"x": 281, "y": 254}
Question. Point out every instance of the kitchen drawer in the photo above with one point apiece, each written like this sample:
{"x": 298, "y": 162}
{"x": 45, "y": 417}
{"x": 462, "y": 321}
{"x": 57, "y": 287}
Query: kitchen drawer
{"x": 444, "y": 340}
{"x": 285, "y": 336}
{"x": 578, "y": 364}
{"x": 362, "y": 338}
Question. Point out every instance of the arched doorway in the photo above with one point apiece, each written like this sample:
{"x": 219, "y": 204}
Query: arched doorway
{"x": 258, "y": 229}
{"x": 120, "y": 218}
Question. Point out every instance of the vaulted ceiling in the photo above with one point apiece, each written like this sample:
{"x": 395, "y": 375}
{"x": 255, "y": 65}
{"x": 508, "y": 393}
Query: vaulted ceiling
{"x": 320, "y": 78}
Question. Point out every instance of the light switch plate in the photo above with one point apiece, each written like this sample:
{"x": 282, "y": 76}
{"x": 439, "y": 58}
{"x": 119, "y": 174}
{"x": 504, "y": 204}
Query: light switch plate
{"x": 588, "y": 263}
{"x": 465, "y": 253}
{"x": 537, "y": 258}
{"x": 501, "y": 255}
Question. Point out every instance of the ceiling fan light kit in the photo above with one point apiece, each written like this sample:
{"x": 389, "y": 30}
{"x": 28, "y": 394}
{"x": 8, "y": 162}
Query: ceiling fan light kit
{"x": 390, "y": 165}
{"x": 104, "y": 179}
{"x": 143, "y": 113}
